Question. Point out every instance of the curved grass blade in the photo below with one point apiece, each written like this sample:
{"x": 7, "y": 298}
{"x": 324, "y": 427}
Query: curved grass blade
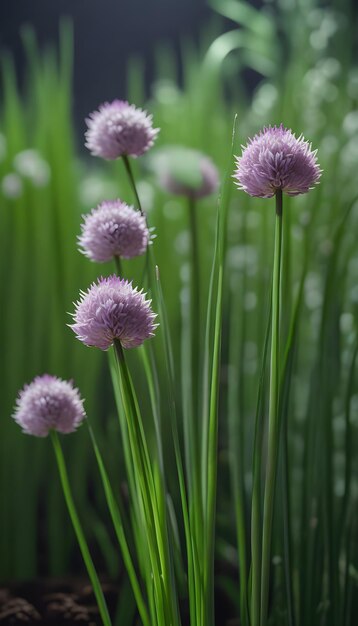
{"x": 212, "y": 357}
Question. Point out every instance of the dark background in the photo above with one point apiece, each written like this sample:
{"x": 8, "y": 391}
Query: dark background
{"x": 107, "y": 33}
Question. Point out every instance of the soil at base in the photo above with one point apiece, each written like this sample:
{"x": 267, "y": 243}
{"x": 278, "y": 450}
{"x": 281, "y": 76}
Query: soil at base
{"x": 55, "y": 602}
{"x": 58, "y": 602}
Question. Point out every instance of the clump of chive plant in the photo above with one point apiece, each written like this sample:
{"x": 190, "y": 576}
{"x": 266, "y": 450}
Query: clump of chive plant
{"x": 273, "y": 162}
{"x": 119, "y": 129}
{"x": 112, "y": 309}
{"x": 113, "y": 229}
{"x": 113, "y": 313}
{"x": 48, "y": 406}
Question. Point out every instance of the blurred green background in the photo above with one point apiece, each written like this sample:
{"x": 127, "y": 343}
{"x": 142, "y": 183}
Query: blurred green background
{"x": 287, "y": 60}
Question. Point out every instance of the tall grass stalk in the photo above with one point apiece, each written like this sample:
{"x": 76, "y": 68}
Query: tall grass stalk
{"x": 236, "y": 425}
{"x": 212, "y": 359}
{"x": 193, "y": 559}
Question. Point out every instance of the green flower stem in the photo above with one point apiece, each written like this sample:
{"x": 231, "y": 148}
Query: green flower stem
{"x": 256, "y": 487}
{"x": 149, "y": 256}
{"x": 192, "y": 430}
{"x": 129, "y": 171}
{"x": 153, "y": 386}
{"x": 78, "y": 530}
{"x": 213, "y": 457}
{"x": 194, "y": 302}
{"x": 118, "y": 264}
{"x": 273, "y": 432}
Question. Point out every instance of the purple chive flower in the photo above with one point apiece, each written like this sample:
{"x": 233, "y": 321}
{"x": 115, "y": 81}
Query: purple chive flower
{"x": 112, "y": 309}
{"x": 275, "y": 159}
{"x": 49, "y": 403}
{"x": 186, "y": 172}
{"x": 208, "y": 184}
{"x": 113, "y": 229}
{"x": 119, "y": 129}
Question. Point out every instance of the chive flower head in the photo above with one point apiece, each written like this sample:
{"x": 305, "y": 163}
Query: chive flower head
{"x": 119, "y": 129}
{"x": 113, "y": 229}
{"x": 113, "y": 309}
{"x": 49, "y": 403}
{"x": 207, "y": 184}
{"x": 275, "y": 159}
{"x": 185, "y": 172}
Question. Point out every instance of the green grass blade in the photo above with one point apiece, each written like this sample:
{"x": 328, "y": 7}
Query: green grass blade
{"x": 119, "y": 529}
{"x": 79, "y": 532}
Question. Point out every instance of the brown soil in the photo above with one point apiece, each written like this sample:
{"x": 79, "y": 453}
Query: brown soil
{"x": 57, "y": 603}
{"x": 66, "y": 602}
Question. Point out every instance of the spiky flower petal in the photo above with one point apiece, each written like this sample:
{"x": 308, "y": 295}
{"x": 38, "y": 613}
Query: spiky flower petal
{"x": 112, "y": 309}
{"x": 275, "y": 159}
{"x": 113, "y": 229}
{"x": 119, "y": 129}
{"x": 49, "y": 403}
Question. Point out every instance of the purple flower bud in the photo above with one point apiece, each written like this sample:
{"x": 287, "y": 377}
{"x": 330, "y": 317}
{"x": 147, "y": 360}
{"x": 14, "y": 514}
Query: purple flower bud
{"x": 113, "y": 229}
{"x": 274, "y": 159}
{"x": 112, "y": 309}
{"x": 119, "y": 129}
{"x": 49, "y": 403}
{"x": 209, "y": 181}
{"x": 185, "y": 172}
